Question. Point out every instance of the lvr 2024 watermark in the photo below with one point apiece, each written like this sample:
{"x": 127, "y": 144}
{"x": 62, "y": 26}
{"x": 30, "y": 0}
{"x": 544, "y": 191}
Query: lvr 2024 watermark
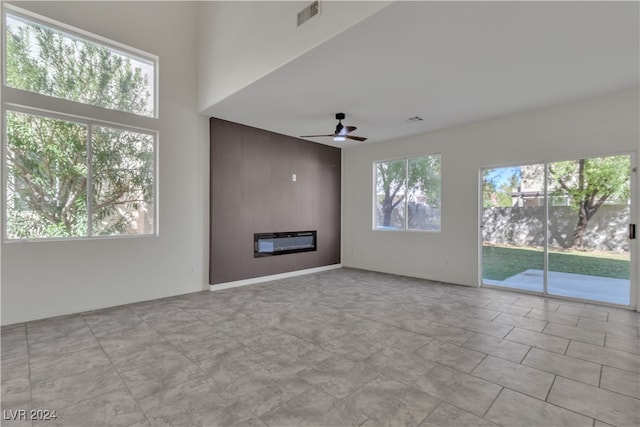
{"x": 29, "y": 414}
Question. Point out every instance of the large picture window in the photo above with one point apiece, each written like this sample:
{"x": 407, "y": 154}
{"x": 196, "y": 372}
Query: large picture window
{"x": 47, "y": 60}
{"x": 407, "y": 194}
{"x": 52, "y": 162}
{"x": 72, "y": 170}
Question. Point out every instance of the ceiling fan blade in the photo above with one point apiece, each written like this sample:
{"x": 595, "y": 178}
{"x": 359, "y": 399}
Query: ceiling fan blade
{"x": 356, "y": 138}
{"x": 341, "y": 133}
{"x": 344, "y": 131}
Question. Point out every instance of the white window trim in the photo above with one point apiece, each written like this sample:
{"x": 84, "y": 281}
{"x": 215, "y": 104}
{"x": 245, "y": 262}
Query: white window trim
{"x": 89, "y": 123}
{"x": 13, "y": 99}
{"x": 74, "y": 31}
{"x": 374, "y": 206}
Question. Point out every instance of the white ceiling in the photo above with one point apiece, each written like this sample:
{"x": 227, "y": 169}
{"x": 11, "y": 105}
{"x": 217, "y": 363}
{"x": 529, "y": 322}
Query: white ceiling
{"x": 450, "y": 63}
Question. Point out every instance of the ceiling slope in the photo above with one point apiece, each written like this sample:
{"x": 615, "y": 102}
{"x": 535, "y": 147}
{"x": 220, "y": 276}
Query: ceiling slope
{"x": 450, "y": 63}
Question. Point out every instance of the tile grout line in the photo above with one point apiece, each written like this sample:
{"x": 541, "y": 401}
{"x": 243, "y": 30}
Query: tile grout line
{"x": 67, "y": 354}
{"x": 525, "y": 356}
{"x": 241, "y": 345}
{"x": 475, "y": 334}
{"x": 571, "y": 410}
{"x": 398, "y": 297}
{"x": 261, "y": 420}
{"x": 546, "y": 398}
{"x": 600, "y": 376}
{"x": 26, "y": 335}
{"x": 117, "y": 371}
{"x": 430, "y": 412}
{"x": 478, "y": 364}
{"x": 493, "y": 402}
{"x": 604, "y": 364}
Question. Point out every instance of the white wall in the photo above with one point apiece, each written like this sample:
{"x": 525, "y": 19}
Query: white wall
{"x": 240, "y": 42}
{"x": 599, "y": 126}
{"x": 54, "y": 278}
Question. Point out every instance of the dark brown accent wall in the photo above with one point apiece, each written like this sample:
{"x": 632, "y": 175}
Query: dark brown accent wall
{"x": 252, "y": 192}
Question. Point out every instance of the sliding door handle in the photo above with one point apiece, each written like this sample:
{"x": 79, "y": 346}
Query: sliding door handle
{"x": 632, "y": 231}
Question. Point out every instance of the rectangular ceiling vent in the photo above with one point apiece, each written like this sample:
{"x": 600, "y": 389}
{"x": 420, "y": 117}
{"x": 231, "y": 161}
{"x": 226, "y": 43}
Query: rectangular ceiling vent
{"x": 308, "y": 12}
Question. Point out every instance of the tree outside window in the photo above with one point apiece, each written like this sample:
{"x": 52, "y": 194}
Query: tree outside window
{"x": 408, "y": 194}
{"x": 69, "y": 176}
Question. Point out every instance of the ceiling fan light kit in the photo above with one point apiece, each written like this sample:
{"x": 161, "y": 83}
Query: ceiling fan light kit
{"x": 341, "y": 133}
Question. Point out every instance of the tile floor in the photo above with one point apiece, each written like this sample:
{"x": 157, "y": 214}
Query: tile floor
{"x": 340, "y": 348}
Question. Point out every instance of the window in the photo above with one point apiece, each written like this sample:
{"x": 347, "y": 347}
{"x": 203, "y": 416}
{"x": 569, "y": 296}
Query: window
{"x": 407, "y": 194}
{"x": 72, "y": 170}
{"x": 46, "y": 60}
{"x": 52, "y": 162}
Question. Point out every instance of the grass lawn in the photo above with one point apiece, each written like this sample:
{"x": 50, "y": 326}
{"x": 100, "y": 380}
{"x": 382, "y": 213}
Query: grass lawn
{"x": 498, "y": 263}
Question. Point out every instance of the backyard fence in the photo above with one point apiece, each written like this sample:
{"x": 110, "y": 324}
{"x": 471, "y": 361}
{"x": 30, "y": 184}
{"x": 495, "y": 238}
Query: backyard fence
{"x": 524, "y": 226}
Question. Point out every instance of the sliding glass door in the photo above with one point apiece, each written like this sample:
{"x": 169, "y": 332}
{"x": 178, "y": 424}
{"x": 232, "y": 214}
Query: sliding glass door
{"x": 559, "y": 228}
{"x": 589, "y": 216}
{"x": 512, "y": 229}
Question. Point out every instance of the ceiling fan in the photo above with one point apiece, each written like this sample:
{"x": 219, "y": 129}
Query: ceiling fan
{"x": 342, "y": 132}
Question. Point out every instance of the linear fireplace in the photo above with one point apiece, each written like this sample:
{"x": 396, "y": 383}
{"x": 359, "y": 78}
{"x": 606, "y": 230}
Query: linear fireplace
{"x": 268, "y": 244}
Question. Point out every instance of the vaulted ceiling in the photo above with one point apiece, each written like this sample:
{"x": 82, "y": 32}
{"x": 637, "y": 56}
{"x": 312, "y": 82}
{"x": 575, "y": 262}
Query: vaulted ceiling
{"x": 450, "y": 63}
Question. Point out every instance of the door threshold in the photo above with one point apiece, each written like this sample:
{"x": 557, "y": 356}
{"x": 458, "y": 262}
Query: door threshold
{"x": 557, "y": 297}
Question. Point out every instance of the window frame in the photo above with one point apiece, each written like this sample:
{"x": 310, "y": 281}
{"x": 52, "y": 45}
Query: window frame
{"x": 9, "y": 9}
{"x": 406, "y": 159}
{"x": 13, "y": 99}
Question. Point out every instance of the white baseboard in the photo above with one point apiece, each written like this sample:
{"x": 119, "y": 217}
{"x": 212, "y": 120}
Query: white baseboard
{"x": 262, "y": 279}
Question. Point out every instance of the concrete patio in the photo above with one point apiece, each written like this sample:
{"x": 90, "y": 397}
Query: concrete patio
{"x": 595, "y": 288}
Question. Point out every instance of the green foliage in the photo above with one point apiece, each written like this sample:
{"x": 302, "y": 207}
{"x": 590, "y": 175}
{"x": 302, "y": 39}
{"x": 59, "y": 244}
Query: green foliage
{"x": 590, "y": 183}
{"x": 395, "y": 183}
{"x": 390, "y": 178}
{"x": 122, "y": 178}
{"x": 488, "y": 188}
{"x": 47, "y": 158}
{"x": 424, "y": 177}
{"x": 51, "y": 63}
{"x": 500, "y": 263}
{"x": 47, "y": 169}
{"x": 499, "y": 196}
{"x": 503, "y": 196}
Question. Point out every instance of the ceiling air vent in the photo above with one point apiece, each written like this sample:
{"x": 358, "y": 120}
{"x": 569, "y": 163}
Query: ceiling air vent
{"x": 308, "y": 12}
